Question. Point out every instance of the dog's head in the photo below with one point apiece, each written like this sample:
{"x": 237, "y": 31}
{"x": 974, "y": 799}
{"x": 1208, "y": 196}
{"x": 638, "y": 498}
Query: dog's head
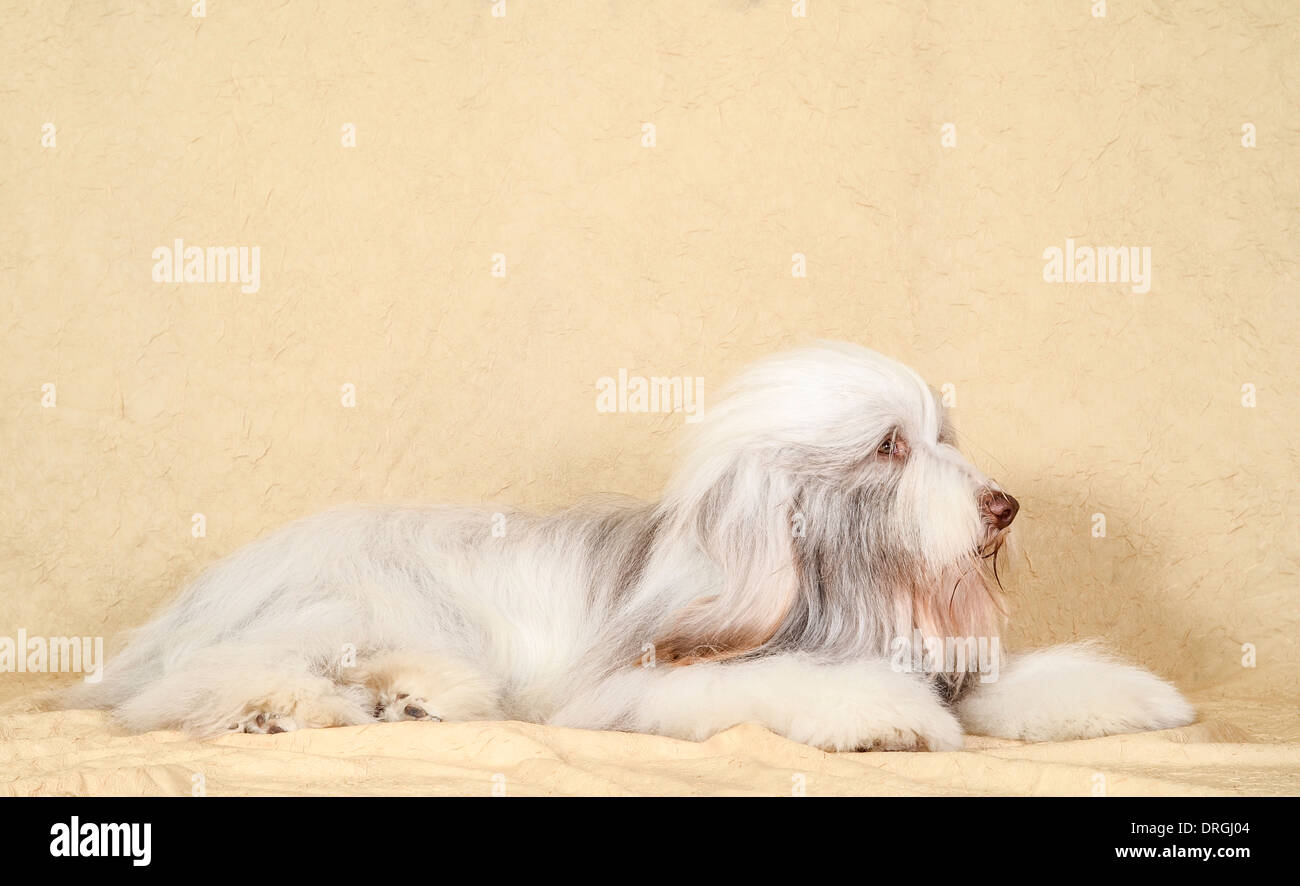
{"x": 827, "y": 487}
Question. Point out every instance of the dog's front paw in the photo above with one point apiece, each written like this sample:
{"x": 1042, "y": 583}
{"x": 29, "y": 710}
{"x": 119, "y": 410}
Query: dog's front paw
{"x": 935, "y": 731}
{"x": 939, "y": 736}
{"x": 1072, "y": 692}
{"x": 888, "y": 712}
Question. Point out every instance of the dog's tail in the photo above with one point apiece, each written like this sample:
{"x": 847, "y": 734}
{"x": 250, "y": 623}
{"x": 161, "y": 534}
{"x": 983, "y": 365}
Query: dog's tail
{"x": 112, "y": 685}
{"x": 238, "y": 601}
{"x": 205, "y": 611}
{"x": 122, "y": 676}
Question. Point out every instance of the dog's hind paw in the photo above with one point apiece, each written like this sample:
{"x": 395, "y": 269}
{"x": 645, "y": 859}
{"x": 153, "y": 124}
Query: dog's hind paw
{"x": 403, "y": 706}
{"x": 265, "y": 723}
{"x": 424, "y": 686}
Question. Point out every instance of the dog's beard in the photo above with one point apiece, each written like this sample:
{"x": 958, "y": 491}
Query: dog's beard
{"x": 962, "y": 602}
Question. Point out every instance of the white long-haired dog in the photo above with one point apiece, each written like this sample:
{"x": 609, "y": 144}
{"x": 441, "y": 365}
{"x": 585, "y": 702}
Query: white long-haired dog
{"x": 822, "y": 518}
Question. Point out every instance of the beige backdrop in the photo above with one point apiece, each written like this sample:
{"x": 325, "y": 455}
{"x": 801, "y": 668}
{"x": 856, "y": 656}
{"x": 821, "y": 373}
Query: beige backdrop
{"x": 774, "y": 134}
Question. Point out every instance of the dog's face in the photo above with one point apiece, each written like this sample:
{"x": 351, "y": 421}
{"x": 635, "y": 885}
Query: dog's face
{"x": 826, "y": 485}
{"x": 866, "y": 437}
{"x": 932, "y": 503}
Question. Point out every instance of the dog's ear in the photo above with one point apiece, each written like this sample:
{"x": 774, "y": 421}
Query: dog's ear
{"x": 747, "y": 525}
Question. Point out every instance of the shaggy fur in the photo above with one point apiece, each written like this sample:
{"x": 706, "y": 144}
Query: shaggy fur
{"x": 822, "y": 514}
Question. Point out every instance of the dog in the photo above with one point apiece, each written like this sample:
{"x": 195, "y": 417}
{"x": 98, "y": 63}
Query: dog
{"x": 822, "y": 516}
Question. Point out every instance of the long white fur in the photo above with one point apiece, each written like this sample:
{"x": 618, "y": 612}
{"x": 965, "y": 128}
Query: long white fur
{"x": 1069, "y": 692}
{"x": 766, "y": 585}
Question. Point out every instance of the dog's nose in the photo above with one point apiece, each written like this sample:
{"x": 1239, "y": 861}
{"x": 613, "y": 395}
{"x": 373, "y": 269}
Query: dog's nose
{"x": 1000, "y": 508}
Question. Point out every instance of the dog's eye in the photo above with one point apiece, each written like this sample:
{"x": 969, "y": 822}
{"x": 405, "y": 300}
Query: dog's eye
{"x": 893, "y": 448}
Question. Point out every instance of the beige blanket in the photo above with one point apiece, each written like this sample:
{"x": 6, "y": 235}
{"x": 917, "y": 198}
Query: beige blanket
{"x": 1236, "y": 748}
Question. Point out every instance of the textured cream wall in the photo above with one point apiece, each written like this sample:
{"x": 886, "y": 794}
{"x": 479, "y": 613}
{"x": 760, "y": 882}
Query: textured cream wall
{"x": 523, "y": 135}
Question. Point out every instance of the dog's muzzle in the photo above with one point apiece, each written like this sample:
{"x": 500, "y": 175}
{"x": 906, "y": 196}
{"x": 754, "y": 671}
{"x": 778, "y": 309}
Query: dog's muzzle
{"x": 998, "y": 508}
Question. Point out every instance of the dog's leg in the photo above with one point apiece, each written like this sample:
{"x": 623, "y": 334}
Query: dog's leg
{"x": 307, "y": 702}
{"x": 244, "y": 689}
{"x": 425, "y": 686}
{"x": 841, "y": 707}
{"x": 1071, "y": 692}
